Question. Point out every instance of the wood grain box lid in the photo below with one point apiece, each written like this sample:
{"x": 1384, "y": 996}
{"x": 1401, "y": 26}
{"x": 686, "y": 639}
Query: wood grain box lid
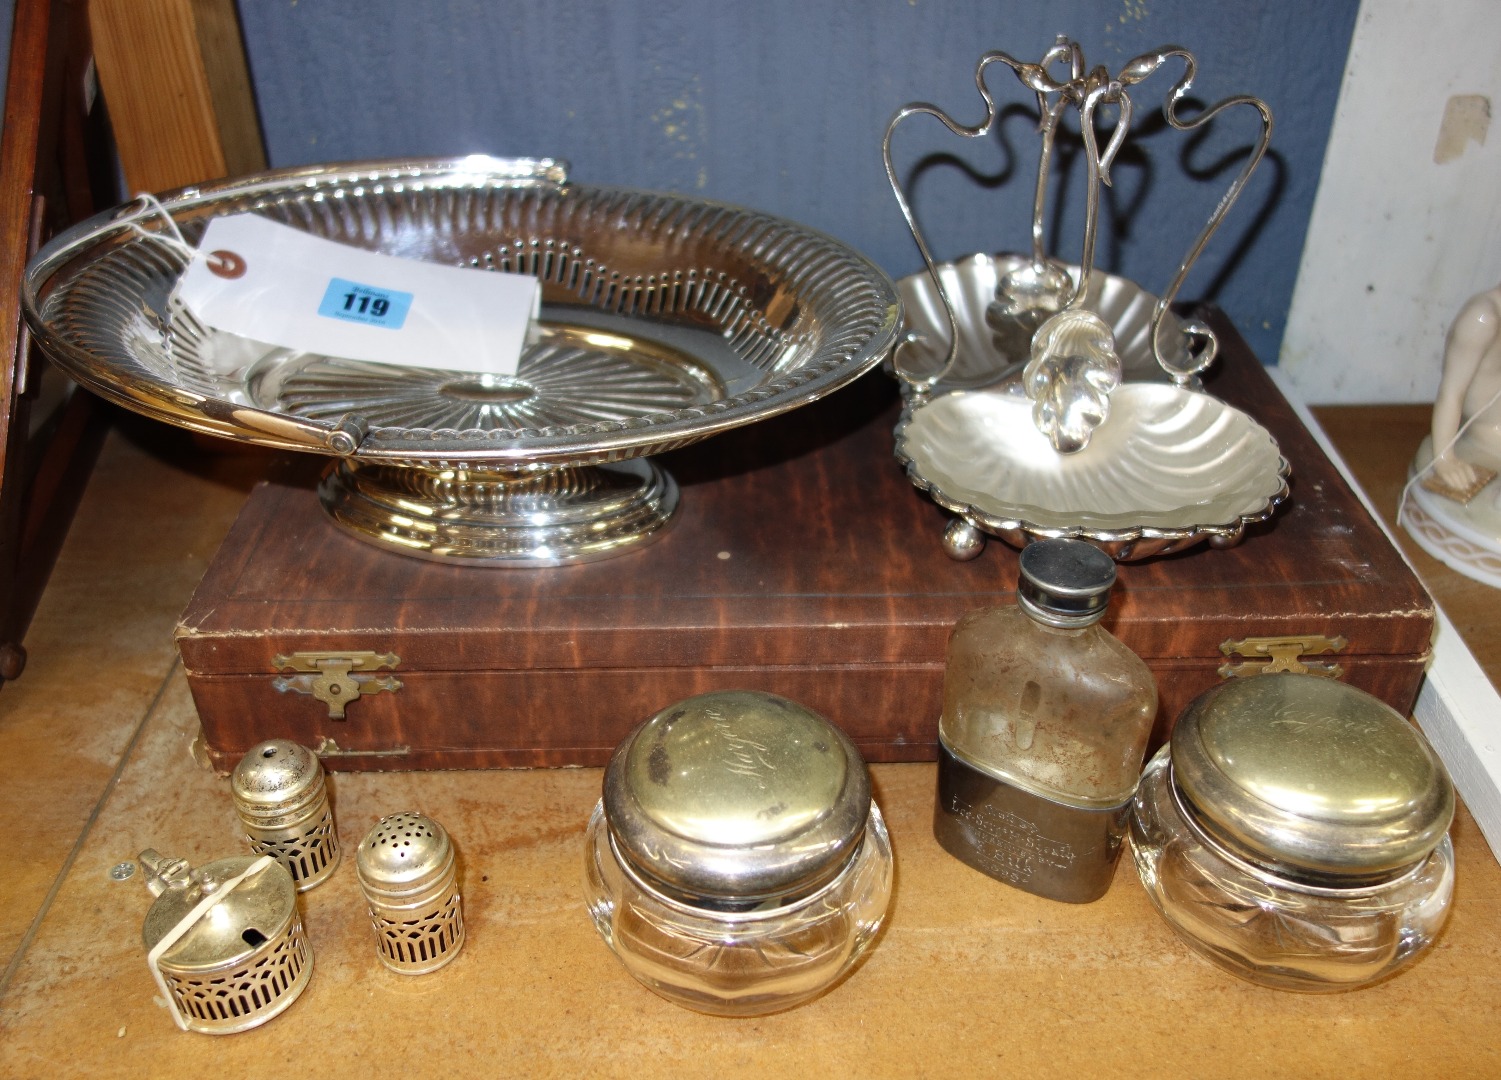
{"x": 801, "y": 546}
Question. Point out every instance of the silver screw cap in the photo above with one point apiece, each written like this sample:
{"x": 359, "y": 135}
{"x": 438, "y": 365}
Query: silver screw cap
{"x": 404, "y": 854}
{"x": 736, "y": 797}
{"x": 274, "y": 779}
{"x": 1064, "y": 583}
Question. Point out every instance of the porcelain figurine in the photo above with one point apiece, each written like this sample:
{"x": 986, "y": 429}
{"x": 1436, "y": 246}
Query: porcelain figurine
{"x": 1453, "y": 510}
{"x": 1470, "y": 384}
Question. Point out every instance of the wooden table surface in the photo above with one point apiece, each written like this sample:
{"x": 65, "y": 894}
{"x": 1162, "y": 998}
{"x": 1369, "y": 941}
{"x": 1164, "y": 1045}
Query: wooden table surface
{"x": 1378, "y": 442}
{"x": 968, "y": 978}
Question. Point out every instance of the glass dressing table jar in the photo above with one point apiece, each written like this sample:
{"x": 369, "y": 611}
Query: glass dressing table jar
{"x": 1295, "y": 833}
{"x": 736, "y": 863}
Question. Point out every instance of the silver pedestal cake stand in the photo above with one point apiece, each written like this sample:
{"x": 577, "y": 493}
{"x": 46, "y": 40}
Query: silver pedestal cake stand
{"x": 665, "y": 320}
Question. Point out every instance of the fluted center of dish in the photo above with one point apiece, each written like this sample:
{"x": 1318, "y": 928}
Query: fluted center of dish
{"x": 482, "y": 391}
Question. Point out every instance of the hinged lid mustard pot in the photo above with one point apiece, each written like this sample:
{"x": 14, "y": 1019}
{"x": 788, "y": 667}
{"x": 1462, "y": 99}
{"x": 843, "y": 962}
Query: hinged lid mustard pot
{"x": 224, "y": 942}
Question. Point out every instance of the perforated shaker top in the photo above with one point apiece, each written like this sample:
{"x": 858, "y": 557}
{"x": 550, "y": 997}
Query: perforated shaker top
{"x": 404, "y": 851}
{"x": 274, "y": 775}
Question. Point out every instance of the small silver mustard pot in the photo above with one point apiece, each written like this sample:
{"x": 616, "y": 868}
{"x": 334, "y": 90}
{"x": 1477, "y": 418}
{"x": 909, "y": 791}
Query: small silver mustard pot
{"x": 224, "y": 942}
{"x": 407, "y": 871}
{"x": 282, "y": 799}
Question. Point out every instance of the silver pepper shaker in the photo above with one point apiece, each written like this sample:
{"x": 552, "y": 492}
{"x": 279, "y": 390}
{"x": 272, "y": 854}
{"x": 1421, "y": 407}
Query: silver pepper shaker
{"x": 224, "y": 942}
{"x": 282, "y": 798}
{"x": 406, "y": 869}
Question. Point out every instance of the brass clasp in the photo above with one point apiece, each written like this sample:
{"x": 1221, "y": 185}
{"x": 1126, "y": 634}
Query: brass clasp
{"x": 336, "y": 679}
{"x": 1282, "y": 654}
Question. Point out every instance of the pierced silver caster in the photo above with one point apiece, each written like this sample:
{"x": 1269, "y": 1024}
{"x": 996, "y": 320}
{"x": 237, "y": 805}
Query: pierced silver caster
{"x": 407, "y": 872}
{"x": 281, "y": 795}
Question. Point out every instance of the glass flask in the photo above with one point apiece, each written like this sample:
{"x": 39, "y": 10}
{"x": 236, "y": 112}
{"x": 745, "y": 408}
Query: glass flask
{"x": 1295, "y": 833}
{"x": 1045, "y": 723}
{"x": 736, "y": 863}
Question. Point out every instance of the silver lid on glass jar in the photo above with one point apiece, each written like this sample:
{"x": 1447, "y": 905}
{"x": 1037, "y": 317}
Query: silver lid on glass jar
{"x": 1310, "y": 776}
{"x": 736, "y": 797}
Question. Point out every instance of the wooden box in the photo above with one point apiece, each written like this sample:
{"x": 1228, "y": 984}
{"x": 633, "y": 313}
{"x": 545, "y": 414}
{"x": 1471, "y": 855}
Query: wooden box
{"x": 802, "y": 562}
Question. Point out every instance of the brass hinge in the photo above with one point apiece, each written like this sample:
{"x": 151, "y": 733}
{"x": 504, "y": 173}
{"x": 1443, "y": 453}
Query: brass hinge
{"x": 336, "y": 679}
{"x": 1282, "y": 654}
{"x": 327, "y": 748}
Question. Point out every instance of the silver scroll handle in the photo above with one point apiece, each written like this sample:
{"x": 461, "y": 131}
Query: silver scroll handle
{"x": 1135, "y": 72}
{"x": 1036, "y": 78}
{"x": 1079, "y": 89}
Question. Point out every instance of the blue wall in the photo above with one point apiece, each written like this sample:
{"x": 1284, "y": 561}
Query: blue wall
{"x": 780, "y": 105}
{"x": 7, "y": 13}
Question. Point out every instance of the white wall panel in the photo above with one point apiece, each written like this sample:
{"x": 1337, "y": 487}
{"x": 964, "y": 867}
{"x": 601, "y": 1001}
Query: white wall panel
{"x": 1407, "y": 221}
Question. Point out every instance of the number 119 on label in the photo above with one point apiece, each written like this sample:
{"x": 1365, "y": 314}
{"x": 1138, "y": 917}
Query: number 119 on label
{"x": 367, "y": 304}
{"x": 377, "y": 306}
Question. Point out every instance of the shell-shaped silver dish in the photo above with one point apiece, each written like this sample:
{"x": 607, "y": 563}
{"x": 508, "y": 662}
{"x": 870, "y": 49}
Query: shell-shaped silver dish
{"x": 665, "y": 318}
{"x": 970, "y": 285}
{"x": 1169, "y": 469}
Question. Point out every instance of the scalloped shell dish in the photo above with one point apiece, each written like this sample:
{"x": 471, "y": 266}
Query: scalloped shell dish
{"x": 970, "y": 285}
{"x": 1169, "y": 469}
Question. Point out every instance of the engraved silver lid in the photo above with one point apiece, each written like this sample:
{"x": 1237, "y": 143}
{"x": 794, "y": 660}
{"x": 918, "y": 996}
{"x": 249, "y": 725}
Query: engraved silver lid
{"x": 736, "y": 798}
{"x": 276, "y": 778}
{"x": 1064, "y": 583}
{"x": 252, "y": 911}
{"x": 1310, "y": 776}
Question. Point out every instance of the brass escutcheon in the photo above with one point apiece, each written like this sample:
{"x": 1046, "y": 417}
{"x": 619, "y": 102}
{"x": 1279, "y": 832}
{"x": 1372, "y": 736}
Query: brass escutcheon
{"x": 336, "y": 679}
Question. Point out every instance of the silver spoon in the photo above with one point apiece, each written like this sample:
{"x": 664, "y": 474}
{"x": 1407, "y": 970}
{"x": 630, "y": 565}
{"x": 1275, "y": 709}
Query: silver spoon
{"x": 1074, "y": 366}
{"x": 1027, "y": 295}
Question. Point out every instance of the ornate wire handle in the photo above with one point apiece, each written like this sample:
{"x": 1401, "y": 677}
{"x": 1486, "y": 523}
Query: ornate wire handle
{"x": 1085, "y": 92}
{"x": 1095, "y": 92}
{"x": 1135, "y": 72}
{"x": 1034, "y": 76}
